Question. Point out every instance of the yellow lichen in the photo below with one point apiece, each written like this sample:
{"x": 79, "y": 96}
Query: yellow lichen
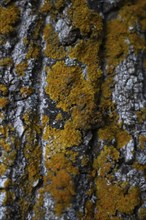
{"x": 106, "y": 160}
{"x": 7, "y": 61}
{"x": 52, "y": 7}
{"x": 38, "y": 207}
{"x": 122, "y": 138}
{"x": 8, "y": 18}
{"x": 138, "y": 166}
{"x": 142, "y": 213}
{"x": 123, "y": 200}
{"x": 26, "y": 91}
{"x": 142, "y": 141}
{"x": 83, "y": 52}
{"x": 21, "y": 68}
{"x": 3, "y": 169}
{"x": 61, "y": 186}
{"x": 141, "y": 115}
{"x": 4, "y": 145}
{"x": 84, "y": 18}
{"x": 3, "y": 89}
{"x": 59, "y": 140}
{"x": 33, "y": 51}
{"x": 72, "y": 93}
{"x": 3, "y": 102}
{"x": 44, "y": 120}
{"x": 119, "y": 37}
{"x": 59, "y": 117}
{"x": 53, "y": 49}
{"x": 113, "y": 131}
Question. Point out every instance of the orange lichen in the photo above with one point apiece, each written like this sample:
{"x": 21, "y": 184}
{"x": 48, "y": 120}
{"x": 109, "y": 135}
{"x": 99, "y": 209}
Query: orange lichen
{"x": 84, "y": 18}
{"x": 7, "y": 61}
{"x": 38, "y": 209}
{"x": 52, "y": 7}
{"x": 119, "y": 37}
{"x": 141, "y": 115}
{"x": 3, "y": 89}
{"x": 4, "y": 145}
{"x": 3, "y": 169}
{"x": 138, "y": 166}
{"x": 106, "y": 160}
{"x": 8, "y": 17}
{"x": 33, "y": 51}
{"x": 44, "y": 120}
{"x": 83, "y": 52}
{"x": 142, "y": 213}
{"x": 142, "y": 141}
{"x": 3, "y": 102}
{"x": 26, "y": 91}
{"x": 21, "y": 68}
{"x": 53, "y": 49}
{"x": 113, "y": 131}
{"x": 116, "y": 46}
{"x": 123, "y": 200}
{"x": 59, "y": 140}
{"x": 59, "y": 117}
{"x": 61, "y": 186}
{"x": 72, "y": 93}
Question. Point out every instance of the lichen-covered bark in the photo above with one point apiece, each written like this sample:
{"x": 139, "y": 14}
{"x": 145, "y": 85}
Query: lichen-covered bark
{"x": 72, "y": 110}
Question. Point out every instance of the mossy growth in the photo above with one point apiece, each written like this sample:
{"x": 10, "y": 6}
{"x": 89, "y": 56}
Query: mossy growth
{"x": 72, "y": 93}
{"x": 112, "y": 131}
{"x": 21, "y": 68}
{"x": 123, "y": 200}
{"x": 53, "y": 48}
{"x": 84, "y": 18}
{"x": 7, "y": 61}
{"x": 106, "y": 161}
{"x": 8, "y": 17}
{"x": 3, "y": 102}
{"x": 60, "y": 177}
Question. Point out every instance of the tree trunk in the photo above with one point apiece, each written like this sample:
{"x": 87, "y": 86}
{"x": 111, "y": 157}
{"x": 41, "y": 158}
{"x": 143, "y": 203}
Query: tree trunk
{"x": 72, "y": 110}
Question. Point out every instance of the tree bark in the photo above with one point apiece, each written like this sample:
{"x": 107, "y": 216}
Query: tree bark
{"x": 72, "y": 110}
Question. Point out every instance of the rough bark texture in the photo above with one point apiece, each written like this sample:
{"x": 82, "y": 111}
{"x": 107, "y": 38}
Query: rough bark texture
{"x": 72, "y": 101}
